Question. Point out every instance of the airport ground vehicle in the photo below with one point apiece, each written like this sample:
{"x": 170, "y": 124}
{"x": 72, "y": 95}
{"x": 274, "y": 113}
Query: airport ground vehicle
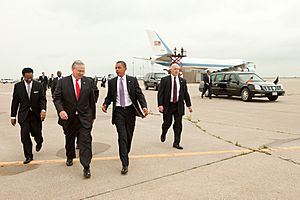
{"x": 152, "y": 79}
{"x": 7, "y": 80}
{"x": 110, "y": 76}
{"x": 238, "y": 84}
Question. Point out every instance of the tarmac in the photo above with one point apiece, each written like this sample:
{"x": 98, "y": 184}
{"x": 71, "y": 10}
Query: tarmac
{"x": 232, "y": 150}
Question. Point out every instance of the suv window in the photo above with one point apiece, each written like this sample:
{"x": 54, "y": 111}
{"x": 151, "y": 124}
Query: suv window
{"x": 233, "y": 77}
{"x": 213, "y": 78}
{"x": 159, "y": 75}
{"x": 219, "y": 77}
{"x": 226, "y": 77}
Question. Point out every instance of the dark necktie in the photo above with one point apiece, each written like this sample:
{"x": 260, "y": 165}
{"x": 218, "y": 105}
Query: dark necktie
{"x": 174, "y": 91}
{"x": 77, "y": 90}
{"x": 122, "y": 93}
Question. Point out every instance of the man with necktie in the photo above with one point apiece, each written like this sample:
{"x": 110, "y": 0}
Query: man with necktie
{"x": 172, "y": 95}
{"x": 125, "y": 93}
{"x": 74, "y": 100}
{"x": 29, "y": 98}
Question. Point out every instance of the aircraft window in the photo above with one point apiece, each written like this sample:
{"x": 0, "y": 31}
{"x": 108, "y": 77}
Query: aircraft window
{"x": 219, "y": 77}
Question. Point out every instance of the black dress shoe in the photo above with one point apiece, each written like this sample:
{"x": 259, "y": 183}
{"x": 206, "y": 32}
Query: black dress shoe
{"x": 38, "y": 147}
{"x": 69, "y": 162}
{"x": 162, "y": 138}
{"x": 177, "y": 146}
{"x": 28, "y": 160}
{"x": 86, "y": 173}
{"x": 124, "y": 170}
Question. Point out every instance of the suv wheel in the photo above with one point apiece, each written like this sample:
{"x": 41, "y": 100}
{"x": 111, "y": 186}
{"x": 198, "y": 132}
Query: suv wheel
{"x": 273, "y": 98}
{"x": 245, "y": 94}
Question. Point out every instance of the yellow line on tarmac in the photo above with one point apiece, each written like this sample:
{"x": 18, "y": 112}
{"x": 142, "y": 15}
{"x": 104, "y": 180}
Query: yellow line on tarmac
{"x": 165, "y": 155}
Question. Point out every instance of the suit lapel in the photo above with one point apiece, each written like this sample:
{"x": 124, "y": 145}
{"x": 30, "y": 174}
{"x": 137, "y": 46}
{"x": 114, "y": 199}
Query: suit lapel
{"x": 128, "y": 82}
{"x": 115, "y": 91}
{"x": 72, "y": 87}
{"x": 82, "y": 88}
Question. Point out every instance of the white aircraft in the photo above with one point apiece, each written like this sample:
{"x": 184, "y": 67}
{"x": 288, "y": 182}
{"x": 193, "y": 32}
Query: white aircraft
{"x": 164, "y": 57}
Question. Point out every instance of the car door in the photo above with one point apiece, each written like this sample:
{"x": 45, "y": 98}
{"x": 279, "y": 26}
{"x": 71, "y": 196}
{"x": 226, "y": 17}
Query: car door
{"x": 216, "y": 86}
{"x": 233, "y": 85}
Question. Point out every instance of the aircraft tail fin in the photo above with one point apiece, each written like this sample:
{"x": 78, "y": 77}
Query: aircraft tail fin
{"x": 157, "y": 44}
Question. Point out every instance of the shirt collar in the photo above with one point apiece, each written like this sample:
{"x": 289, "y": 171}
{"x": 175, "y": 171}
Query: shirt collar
{"x": 174, "y": 76}
{"x": 124, "y": 77}
{"x": 74, "y": 79}
{"x": 27, "y": 83}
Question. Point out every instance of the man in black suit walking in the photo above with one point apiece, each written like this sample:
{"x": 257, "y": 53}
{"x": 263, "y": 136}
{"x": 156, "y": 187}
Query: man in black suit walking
{"x": 125, "y": 93}
{"x": 74, "y": 100}
{"x": 55, "y": 80}
{"x": 207, "y": 84}
{"x": 44, "y": 80}
{"x": 172, "y": 93}
{"x": 29, "y": 98}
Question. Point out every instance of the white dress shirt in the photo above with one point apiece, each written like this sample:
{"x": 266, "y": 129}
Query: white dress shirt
{"x": 26, "y": 86}
{"x": 74, "y": 83}
{"x": 172, "y": 86}
{"x": 128, "y": 101}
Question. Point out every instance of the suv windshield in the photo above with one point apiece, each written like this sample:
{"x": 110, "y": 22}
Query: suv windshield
{"x": 159, "y": 75}
{"x": 246, "y": 77}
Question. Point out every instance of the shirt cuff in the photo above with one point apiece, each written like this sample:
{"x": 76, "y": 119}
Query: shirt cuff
{"x": 43, "y": 110}
{"x": 12, "y": 117}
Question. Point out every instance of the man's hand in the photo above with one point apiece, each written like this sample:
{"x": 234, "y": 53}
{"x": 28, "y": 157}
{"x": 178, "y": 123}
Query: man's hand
{"x": 63, "y": 115}
{"x": 104, "y": 108}
{"x": 43, "y": 115}
{"x": 190, "y": 109}
{"x": 161, "y": 109}
{"x": 13, "y": 122}
{"x": 145, "y": 111}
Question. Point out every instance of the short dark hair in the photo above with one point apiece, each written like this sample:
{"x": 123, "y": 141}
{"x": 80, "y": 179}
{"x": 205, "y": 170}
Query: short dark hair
{"x": 27, "y": 70}
{"x": 122, "y": 62}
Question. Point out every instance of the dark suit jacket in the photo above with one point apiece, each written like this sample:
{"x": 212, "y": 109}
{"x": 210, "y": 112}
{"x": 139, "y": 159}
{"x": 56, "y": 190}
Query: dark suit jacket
{"x": 44, "y": 81}
{"x": 54, "y": 84}
{"x": 134, "y": 91}
{"x": 164, "y": 94}
{"x": 64, "y": 98}
{"x": 20, "y": 101}
{"x": 206, "y": 80}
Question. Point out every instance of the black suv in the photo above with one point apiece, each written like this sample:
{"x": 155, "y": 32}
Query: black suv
{"x": 152, "y": 79}
{"x": 244, "y": 84}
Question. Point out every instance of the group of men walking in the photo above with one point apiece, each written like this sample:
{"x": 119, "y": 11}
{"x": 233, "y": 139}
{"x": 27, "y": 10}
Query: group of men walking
{"x": 75, "y": 98}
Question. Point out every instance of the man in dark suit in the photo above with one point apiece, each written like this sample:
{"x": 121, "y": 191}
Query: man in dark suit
{"x": 50, "y": 80}
{"x": 55, "y": 80}
{"x": 125, "y": 93}
{"x": 74, "y": 100}
{"x": 29, "y": 98}
{"x": 207, "y": 84}
{"x": 171, "y": 96}
{"x": 44, "y": 80}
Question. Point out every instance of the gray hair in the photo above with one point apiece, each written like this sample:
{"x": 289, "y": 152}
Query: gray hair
{"x": 174, "y": 65}
{"x": 77, "y": 62}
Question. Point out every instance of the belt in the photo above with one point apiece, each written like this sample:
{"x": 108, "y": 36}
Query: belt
{"x": 126, "y": 107}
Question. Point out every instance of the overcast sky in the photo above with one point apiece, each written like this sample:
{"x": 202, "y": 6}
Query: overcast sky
{"x": 50, "y": 34}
